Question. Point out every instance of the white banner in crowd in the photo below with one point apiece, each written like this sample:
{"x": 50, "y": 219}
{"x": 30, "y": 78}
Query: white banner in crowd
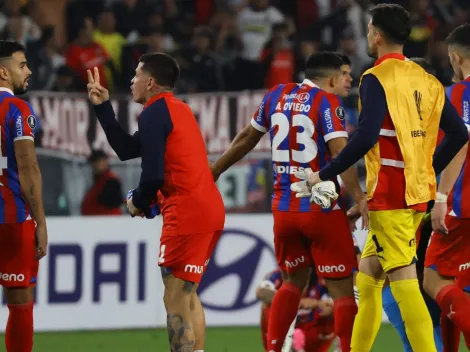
{"x": 102, "y": 273}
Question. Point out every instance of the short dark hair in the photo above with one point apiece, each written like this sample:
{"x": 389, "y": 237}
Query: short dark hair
{"x": 346, "y": 59}
{"x": 317, "y": 64}
{"x": 163, "y": 67}
{"x": 460, "y": 36}
{"x": 424, "y": 64}
{"x": 393, "y": 21}
{"x": 9, "y": 47}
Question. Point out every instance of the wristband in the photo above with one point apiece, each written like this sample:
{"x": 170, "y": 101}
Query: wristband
{"x": 441, "y": 198}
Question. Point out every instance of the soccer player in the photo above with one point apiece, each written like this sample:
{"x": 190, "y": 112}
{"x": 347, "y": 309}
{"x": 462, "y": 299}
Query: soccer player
{"x": 23, "y": 231}
{"x": 174, "y": 162}
{"x": 347, "y": 78}
{"x": 306, "y": 123}
{"x": 402, "y": 108}
{"x": 389, "y": 303}
{"x": 315, "y": 315}
{"x": 447, "y": 256}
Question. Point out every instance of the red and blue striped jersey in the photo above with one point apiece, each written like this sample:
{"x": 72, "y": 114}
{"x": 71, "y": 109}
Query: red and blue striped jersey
{"x": 459, "y": 95}
{"x": 301, "y": 119}
{"x": 17, "y": 122}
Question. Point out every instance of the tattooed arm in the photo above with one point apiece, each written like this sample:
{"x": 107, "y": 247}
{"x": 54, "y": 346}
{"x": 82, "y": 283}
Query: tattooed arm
{"x": 31, "y": 186}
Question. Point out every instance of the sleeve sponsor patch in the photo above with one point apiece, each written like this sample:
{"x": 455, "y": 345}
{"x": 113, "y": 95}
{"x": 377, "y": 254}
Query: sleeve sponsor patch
{"x": 31, "y": 120}
{"x": 340, "y": 113}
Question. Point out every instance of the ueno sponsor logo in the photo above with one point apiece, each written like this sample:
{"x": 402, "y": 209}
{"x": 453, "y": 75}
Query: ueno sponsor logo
{"x": 12, "y": 277}
{"x": 332, "y": 268}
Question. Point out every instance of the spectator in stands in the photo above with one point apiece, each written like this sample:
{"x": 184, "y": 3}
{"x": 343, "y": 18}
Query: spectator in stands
{"x": 131, "y": 16}
{"x": 204, "y": 70}
{"x": 228, "y": 43}
{"x": 348, "y": 47}
{"x": 84, "y": 53}
{"x": 255, "y": 24}
{"x": 44, "y": 60}
{"x": 277, "y": 58}
{"x": 66, "y": 80}
{"x": 19, "y": 26}
{"x": 306, "y": 47}
{"x": 111, "y": 40}
{"x": 440, "y": 59}
{"x": 423, "y": 27}
{"x": 105, "y": 197}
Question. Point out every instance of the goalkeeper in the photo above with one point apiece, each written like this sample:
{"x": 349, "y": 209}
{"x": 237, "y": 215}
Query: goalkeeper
{"x": 402, "y": 110}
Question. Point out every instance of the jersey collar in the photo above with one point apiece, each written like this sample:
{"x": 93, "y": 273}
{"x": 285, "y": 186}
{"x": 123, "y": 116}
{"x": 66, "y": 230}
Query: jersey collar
{"x": 5, "y": 89}
{"x": 156, "y": 97}
{"x": 390, "y": 56}
{"x": 309, "y": 83}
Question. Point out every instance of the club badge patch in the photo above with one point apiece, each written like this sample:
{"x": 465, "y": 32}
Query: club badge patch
{"x": 31, "y": 122}
{"x": 340, "y": 113}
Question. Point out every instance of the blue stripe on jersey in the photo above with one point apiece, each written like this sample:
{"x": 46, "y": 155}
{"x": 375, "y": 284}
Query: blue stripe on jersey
{"x": 12, "y": 173}
{"x": 12, "y": 170}
{"x": 450, "y": 90}
{"x": 466, "y": 107}
{"x": 324, "y": 104}
{"x": 457, "y": 195}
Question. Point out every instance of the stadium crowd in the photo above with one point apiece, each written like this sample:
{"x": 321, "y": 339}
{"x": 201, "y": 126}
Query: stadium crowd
{"x": 220, "y": 44}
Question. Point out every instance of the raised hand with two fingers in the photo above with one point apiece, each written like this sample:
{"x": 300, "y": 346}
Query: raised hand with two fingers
{"x": 96, "y": 92}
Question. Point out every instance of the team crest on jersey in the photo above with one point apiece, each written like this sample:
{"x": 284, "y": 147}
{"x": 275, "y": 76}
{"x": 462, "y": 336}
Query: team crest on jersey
{"x": 340, "y": 113}
{"x": 31, "y": 121}
{"x": 303, "y": 97}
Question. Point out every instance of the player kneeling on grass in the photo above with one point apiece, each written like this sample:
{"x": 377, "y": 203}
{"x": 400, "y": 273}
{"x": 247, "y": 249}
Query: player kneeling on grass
{"x": 175, "y": 164}
{"x": 314, "y": 328}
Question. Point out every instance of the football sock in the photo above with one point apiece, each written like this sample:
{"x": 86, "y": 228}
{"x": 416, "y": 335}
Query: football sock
{"x": 284, "y": 308}
{"x": 19, "y": 329}
{"x": 450, "y": 335}
{"x": 415, "y": 314}
{"x": 455, "y": 304}
{"x": 345, "y": 310}
{"x": 390, "y": 307}
{"x": 438, "y": 338}
{"x": 369, "y": 316}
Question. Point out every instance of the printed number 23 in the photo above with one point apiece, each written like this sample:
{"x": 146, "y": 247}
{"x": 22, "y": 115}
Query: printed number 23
{"x": 303, "y": 137}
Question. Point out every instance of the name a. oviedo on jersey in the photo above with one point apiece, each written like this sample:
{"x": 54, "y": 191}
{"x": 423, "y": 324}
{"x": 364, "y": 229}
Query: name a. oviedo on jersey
{"x": 297, "y": 107}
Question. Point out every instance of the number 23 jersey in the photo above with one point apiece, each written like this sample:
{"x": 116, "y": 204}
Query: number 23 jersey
{"x": 300, "y": 119}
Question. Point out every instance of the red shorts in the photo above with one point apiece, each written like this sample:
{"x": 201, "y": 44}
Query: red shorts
{"x": 187, "y": 255}
{"x": 450, "y": 254}
{"x": 18, "y": 264}
{"x": 323, "y": 237}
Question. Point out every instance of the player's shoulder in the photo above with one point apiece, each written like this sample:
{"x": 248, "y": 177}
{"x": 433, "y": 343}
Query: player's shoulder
{"x": 460, "y": 87}
{"x": 19, "y": 104}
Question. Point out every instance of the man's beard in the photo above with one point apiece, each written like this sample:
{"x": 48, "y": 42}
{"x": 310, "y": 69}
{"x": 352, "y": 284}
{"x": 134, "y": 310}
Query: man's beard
{"x": 371, "y": 53}
{"x": 19, "y": 90}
